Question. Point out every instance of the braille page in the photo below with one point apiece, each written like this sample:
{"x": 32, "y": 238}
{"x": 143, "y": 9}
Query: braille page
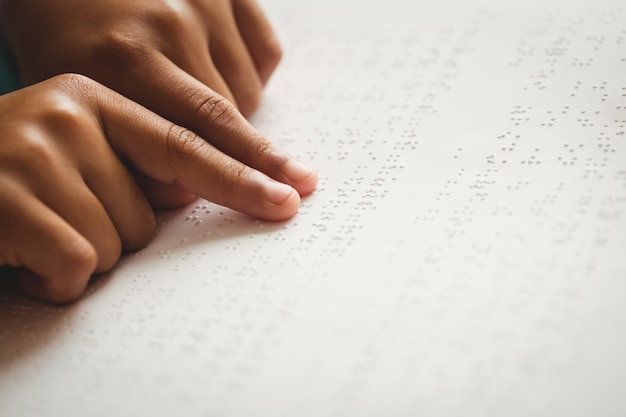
{"x": 464, "y": 254}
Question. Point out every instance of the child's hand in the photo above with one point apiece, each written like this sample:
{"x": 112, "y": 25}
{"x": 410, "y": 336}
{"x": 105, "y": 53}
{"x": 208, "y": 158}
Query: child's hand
{"x": 69, "y": 204}
{"x": 162, "y": 54}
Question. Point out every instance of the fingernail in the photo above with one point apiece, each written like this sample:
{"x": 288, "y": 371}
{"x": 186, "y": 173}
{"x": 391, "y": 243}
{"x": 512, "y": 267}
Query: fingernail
{"x": 277, "y": 192}
{"x": 296, "y": 171}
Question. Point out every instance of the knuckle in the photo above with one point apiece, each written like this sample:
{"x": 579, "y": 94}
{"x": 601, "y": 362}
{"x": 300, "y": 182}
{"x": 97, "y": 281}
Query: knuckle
{"x": 184, "y": 146}
{"x": 163, "y": 24}
{"x": 62, "y": 115}
{"x": 169, "y": 20}
{"x": 122, "y": 47}
{"x": 36, "y": 155}
{"x": 73, "y": 81}
{"x": 40, "y": 150}
{"x": 80, "y": 89}
{"x": 238, "y": 174}
{"x": 234, "y": 175}
{"x": 262, "y": 151}
{"x": 214, "y": 110}
{"x": 61, "y": 109}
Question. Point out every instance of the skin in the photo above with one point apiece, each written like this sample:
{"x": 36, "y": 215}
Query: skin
{"x": 169, "y": 44}
{"x": 82, "y": 167}
{"x": 69, "y": 203}
{"x": 172, "y": 56}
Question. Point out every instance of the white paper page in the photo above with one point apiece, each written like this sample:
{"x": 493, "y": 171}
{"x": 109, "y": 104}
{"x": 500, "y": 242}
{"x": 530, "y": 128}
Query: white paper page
{"x": 463, "y": 255}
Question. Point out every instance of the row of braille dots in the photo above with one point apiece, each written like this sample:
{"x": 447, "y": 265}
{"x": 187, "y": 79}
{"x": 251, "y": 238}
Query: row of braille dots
{"x": 215, "y": 219}
{"x": 570, "y": 159}
{"x": 520, "y": 115}
{"x": 458, "y": 219}
{"x": 419, "y": 88}
{"x": 511, "y": 141}
{"x": 342, "y": 214}
{"x": 345, "y": 210}
{"x": 601, "y": 87}
{"x": 559, "y": 45}
{"x": 198, "y": 320}
{"x": 584, "y": 119}
{"x": 461, "y": 46}
{"x": 196, "y": 213}
{"x": 411, "y": 83}
{"x": 478, "y": 186}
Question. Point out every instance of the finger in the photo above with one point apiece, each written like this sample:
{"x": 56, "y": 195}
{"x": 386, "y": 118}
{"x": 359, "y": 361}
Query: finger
{"x": 139, "y": 62}
{"x": 60, "y": 258}
{"x": 163, "y": 196}
{"x": 76, "y": 205}
{"x": 189, "y": 103}
{"x": 48, "y": 174}
{"x": 128, "y": 195}
{"x": 117, "y": 192}
{"x": 259, "y": 37}
{"x": 202, "y": 68}
{"x": 174, "y": 155}
{"x": 50, "y": 290}
{"x": 232, "y": 59}
{"x": 88, "y": 186}
{"x": 194, "y": 58}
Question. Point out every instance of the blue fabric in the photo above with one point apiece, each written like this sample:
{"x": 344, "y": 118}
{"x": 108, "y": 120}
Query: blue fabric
{"x": 9, "y": 80}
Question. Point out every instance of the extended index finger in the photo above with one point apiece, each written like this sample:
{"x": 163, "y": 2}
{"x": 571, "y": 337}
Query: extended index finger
{"x": 177, "y": 96}
{"x": 176, "y": 155}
